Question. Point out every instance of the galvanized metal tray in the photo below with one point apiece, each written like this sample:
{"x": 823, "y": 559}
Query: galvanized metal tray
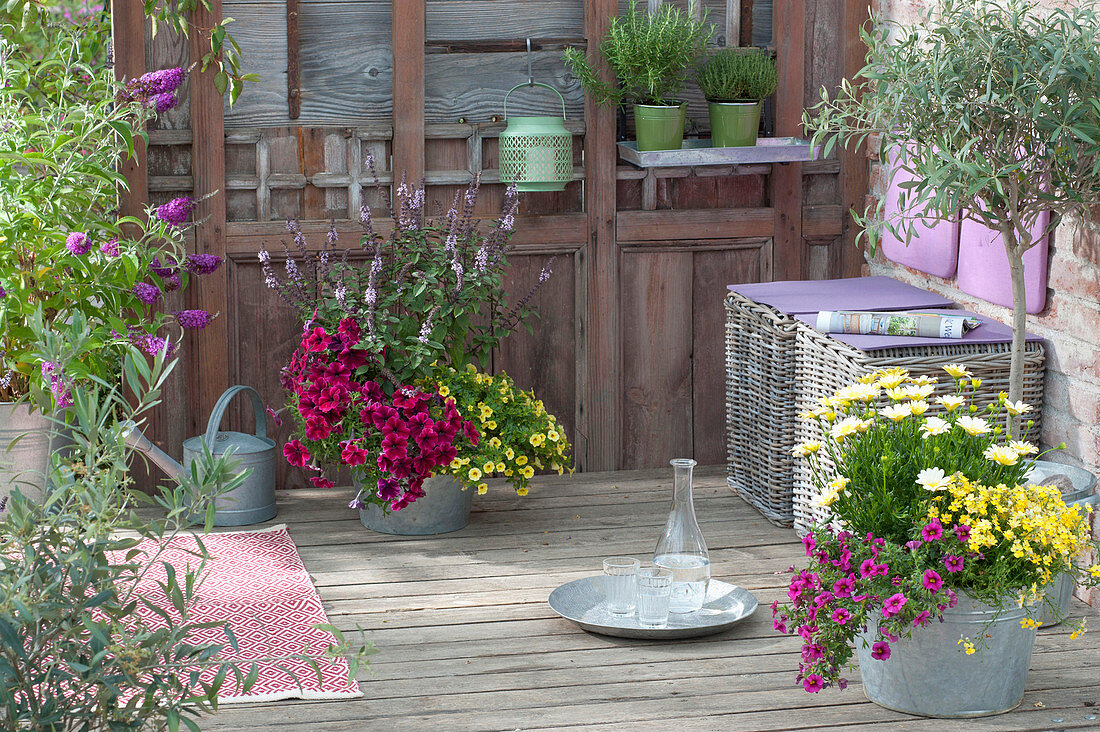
{"x": 700, "y": 152}
{"x": 583, "y": 602}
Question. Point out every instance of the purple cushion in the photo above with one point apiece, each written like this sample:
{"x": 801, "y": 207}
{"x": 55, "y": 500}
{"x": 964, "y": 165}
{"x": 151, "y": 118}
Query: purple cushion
{"x": 984, "y": 271}
{"x": 855, "y": 293}
{"x": 990, "y": 331}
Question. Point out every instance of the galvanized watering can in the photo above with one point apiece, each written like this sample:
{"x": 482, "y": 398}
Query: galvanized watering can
{"x": 254, "y": 500}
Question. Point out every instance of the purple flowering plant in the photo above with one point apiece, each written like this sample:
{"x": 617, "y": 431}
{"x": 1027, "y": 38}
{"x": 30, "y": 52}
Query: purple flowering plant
{"x": 425, "y": 291}
{"x": 66, "y": 128}
{"x": 919, "y": 505}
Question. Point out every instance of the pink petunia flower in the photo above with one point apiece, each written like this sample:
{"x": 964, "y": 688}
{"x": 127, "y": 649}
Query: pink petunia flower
{"x": 893, "y": 605}
{"x": 953, "y": 563}
{"x": 841, "y": 616}
{"x": 296, "y": 453}
{"x": 932, "y": 581}
{"x": 880, "y": 650}
{"x": 932, "y": 531}
{"x": 813, "y": 683}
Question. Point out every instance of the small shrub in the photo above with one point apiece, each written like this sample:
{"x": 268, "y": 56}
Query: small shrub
{"x": 734, "y": 75}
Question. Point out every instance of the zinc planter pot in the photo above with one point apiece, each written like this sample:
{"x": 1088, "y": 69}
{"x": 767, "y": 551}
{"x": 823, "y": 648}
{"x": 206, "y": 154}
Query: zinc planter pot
{"x": 734, "y": 124}
{"x": 24, "y": 465}
{"x": 444, "y": 508}
{"x": 659, "y": 128}
{"x": 930, "y": 674}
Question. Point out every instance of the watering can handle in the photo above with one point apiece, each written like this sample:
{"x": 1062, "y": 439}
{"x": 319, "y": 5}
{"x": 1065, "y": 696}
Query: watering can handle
{"x": 533, "y": 83}
{"x": 219, "y": 411}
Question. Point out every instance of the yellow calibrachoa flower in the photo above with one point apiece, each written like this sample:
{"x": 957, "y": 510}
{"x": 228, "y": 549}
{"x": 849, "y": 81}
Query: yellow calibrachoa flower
{"x": 474, "y": 474}
{"x": 537, "y": 439}
{"x": 521, "y": 460}
{"x": 522, "y": 490}
{"x": 510, "y": 453}
{"x": 528, "y": 472}
{"x": 1094, "y": 570}
{"x": 491, "y": 424}
{"x": 482, "y": 488}
{"x": 500, "y": 467}
{"x": 494, "y": 442}
{"x": 552, "y": 435}
{"x": 488, "y": 467}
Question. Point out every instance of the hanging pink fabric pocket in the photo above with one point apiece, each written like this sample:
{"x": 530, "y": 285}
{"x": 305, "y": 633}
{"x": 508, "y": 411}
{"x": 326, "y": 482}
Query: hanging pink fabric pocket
{"x": 934, "y": 247}
{"x": 983, "y": 266}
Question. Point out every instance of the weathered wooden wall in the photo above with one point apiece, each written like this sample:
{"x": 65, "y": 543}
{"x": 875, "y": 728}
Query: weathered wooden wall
{"x": 628, "y": 349}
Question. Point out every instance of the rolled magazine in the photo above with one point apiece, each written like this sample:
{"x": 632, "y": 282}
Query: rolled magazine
{"x": 923, "y": 325}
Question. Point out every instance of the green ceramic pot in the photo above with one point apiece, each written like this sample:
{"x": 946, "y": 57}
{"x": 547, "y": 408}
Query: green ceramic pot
{"x": 659, "y": 128}
{"x": 734, "y": 124}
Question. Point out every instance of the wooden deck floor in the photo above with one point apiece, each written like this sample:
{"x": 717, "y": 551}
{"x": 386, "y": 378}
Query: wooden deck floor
{"x": 467, "y": 642}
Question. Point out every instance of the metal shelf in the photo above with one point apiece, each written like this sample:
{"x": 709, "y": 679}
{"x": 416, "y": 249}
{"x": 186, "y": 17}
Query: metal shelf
{"x": 700, "y": 152}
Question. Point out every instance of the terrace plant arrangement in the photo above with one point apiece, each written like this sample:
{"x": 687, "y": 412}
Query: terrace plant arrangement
{"x": 652, "y": 55}
{"x": 992, "y": 107}
{"x": 735, "y": 82}
{"x": 373, "y": 385}
{"x": 935, "y": 550}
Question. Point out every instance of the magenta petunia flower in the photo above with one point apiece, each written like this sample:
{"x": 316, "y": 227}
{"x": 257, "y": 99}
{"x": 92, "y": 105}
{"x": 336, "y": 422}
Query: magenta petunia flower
{"x": 932, "y": 581}
{"x": 193, "y": 319}
{"x": 809, "y": 544}
{"x": 78, "y": 243}
{"x": 962, "y": 533}
{"x": 893, "y": 605}
{"x": 353, "y": 454}
{"x": 296, "y": 453}
{"x": 146, "y": 292}
{"x": 317, "y": 428}
{"x": 319, "y": 481}
{"x": 932, "y": 531}
{"x": 841, "y": 616}
{"x": 867, "y": 568}
{"x": 880, "y": 650}
{"x": 921, "y": 620}
{"x": 845, "y": 586}
{"x": 813, "y": 683}
{"x": 202, "y": 264}
{"x": 953, "y": 563}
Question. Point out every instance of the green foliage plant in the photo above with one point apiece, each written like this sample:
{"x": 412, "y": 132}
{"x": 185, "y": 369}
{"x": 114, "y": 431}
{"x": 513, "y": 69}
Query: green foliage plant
{"x": 66, "y": 128}
{"x": 651, "y": 54}
{"x": 74, "y": 653}
{"x": 994, "y": 107}
{"x": 738, "y": 75}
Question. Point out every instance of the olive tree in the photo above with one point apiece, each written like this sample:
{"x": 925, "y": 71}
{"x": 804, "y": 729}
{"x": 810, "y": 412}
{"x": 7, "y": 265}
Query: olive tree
{"x": 994, "y": 108}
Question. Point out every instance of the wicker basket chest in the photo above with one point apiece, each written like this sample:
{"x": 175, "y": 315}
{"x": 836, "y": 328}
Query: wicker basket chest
{"x": 761, "y": 378}
{"x": 824, "y": 363}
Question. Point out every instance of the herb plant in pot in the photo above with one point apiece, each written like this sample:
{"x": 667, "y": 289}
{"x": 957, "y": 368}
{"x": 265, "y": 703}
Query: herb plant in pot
{"x": 936, "y": 549}
{"x": 735, "y": 82}
{"x": 652, "y": 54}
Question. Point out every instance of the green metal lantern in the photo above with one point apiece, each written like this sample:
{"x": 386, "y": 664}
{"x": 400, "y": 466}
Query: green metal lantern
{"x": 536, "y": 153}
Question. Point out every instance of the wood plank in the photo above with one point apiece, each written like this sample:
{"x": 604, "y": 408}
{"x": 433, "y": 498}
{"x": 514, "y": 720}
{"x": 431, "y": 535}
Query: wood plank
{"x": 701, "y": 224}
{"x": 208, "y": 359}
{"x": 657, "y": 339}
{"x": 713, "y": 271}
{"x": 293, "y": 71}
{"x": 450, "y": 20}
{"x": 786, "y": 194}
{"x": 128, "y": 41}
{"x": 409, "y": 90}
{"x": 855, "y": 168}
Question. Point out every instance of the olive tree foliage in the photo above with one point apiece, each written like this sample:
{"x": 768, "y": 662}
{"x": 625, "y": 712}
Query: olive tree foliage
{"x": 993, "y": 107}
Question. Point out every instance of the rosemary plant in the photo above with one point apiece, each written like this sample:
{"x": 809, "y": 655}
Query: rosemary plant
{"x": 736, "y": 75}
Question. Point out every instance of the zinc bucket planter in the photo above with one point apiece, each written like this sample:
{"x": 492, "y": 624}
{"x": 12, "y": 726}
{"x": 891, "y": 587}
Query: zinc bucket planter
{"x": 444, "y": 508}
{"x": 930, "y": 675}
{"x": 734, "y": 124}
{"x": 659, "y": 128}
{"x": 24, "y": 464}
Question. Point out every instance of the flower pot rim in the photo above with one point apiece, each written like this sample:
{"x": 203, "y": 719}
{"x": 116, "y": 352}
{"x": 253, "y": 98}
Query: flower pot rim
{"x": 661, "y": 106}
{"x": 735, "y": 102}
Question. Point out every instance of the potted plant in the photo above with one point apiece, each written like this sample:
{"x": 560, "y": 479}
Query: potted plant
{"x": 935, "y": 551}
{"x": 64, "y": 251}
{"x": 363, "y": 386}
{"x": 989, "y": 108}
{"x": 735, "y": 82}
{"x": 517, "y": 435}
{"x": 652, "y": 54}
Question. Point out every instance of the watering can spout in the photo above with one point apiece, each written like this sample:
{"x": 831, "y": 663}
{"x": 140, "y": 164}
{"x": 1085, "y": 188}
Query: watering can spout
{"x": 136, "y": 439}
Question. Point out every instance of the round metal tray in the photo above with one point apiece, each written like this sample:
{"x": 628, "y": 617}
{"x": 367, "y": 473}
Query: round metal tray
{"x": 583, "y": 602}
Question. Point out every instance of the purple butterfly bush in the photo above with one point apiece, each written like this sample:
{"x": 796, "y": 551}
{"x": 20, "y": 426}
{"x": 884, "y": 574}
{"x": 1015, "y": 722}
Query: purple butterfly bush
{"x": 193, "y": 319}
{"x": 78, "y": 243}
{"x": 177, "y": 211}
{"x": 202, "y": 264}
{"x": 147, "y": 292}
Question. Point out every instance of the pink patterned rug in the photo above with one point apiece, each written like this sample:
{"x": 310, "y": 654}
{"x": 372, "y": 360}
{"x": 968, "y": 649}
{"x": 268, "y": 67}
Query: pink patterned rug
{"x": 255, "y": 581}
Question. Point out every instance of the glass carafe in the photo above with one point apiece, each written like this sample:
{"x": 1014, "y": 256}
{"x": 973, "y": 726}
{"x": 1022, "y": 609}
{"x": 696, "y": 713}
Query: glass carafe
{"x": 682, "y": 548}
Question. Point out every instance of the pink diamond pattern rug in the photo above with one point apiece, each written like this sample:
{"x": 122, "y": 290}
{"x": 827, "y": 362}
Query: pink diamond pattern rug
{"x": 255, "y": 581}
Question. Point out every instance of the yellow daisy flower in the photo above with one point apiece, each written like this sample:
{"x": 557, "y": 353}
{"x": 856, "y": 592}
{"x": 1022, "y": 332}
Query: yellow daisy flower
{"x": 956, "y": 370}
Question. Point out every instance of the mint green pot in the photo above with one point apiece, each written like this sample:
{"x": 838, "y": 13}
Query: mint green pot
{"x": 659, "y": 128}
{"x": 734, "y": 124}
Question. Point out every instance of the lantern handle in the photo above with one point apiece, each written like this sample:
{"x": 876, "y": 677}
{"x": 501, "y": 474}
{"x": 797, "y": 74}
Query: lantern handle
{"x": 533, "y": 83}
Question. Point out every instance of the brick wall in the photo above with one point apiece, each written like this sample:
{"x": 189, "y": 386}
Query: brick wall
{"x": 1070, "y": 324}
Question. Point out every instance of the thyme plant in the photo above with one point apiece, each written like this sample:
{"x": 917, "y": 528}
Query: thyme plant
{"x": 738, "y": 75}
{"x": 651, "y": 53}
{"x": 994, "y": 107}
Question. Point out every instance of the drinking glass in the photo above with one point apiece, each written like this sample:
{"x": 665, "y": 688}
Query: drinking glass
{"x": 620, "y": 584}
{"x": 654, "y": 592}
